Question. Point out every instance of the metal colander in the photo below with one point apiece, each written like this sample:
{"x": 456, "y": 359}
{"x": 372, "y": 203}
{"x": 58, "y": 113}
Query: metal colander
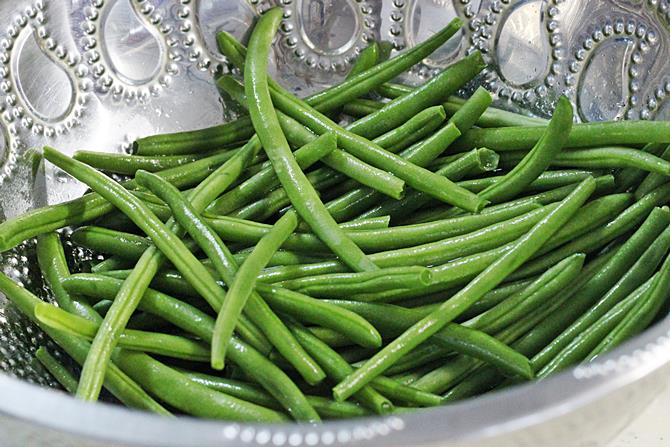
{"x": 96, "y": 74}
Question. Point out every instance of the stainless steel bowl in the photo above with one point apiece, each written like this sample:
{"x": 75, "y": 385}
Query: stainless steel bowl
{"x": 96, "y": 74}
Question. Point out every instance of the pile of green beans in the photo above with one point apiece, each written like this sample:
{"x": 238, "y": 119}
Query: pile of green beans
{"x": 283, "y": 267}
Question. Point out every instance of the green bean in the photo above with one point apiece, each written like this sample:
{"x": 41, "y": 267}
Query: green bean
{"x": 596, "y": 134}
{"x": 128, "y": 164}
{"x": 530, "y": 298}
{"x": 653, "y": 180}
{"x": 190, "y": 397}
{"x": 628, "y": 178}
{"x": 251, "y": 393}
{"x": 365, "y": 60}
{"x": 484, "y": 282}
{"x": 90, "y": 206}
{"x": 51, "y": 259}
{"x": 493, "y": 117}
{"x": 118, "y": 383}
{"x": 488, "y": 301}
{"x": 193, "y": 141}
{"x": 579, "y": 347}
{"x": 57, "y": 370}
{"x": 545, "y": 181}
{"x": 359, "y": 108}
{"x": 591, "y": 291}
{"x": 341, "y": 161}
{"x": 244, "y": 282}
{"x": 418, "y": 178}
{"x": 339, "y": 284}
{"x": 299, "y": 190}
{"x": 266, "y": 179}
{"x": 134, "y": 340}
{"x": 226, "y": 267}
{"x": 362, "y": 83}
{"x": 639, "y": 272}
{"x": 483, "y": 159}
{"x": 640, "y": 316}
{"x": 622, "y": 223}
{"x": 327, "y": 315}
{"x": 604, "y": 184}
{"x": 200, "y": 324}
{"x": 538, "y": 159}
{"x": 601, "y": 158}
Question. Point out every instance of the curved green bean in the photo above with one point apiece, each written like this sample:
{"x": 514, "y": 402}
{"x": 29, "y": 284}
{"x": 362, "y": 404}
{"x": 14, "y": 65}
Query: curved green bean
{"x": 57, "y": 370}
{"x": 538, "y": 159}
{"x": 299, "y": 190}
{"x": 54, "y": 268}
{"x": 244, "y": 282}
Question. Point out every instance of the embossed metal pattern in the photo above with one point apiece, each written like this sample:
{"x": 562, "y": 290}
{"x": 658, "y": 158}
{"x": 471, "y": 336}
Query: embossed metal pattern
{"x": 96, "y": 74}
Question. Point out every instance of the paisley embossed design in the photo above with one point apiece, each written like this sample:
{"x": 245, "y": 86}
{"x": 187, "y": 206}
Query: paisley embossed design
{"x": 234, "y": 16}
{"x": 46, "y": 87}
{"x": 131, "y": 49}
{"x": 326, "y": 35}
{"x": 663, "y": 113}
{"x": 126, "y": 49}
{"x": 420, "y": 24}
{"x": 603, "y": 91}
{"x": 328, "y": 26}
{"x": 522, "y": 48}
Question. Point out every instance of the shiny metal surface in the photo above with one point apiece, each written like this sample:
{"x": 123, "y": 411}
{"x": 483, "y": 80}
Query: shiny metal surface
{"x": 96, "y": 74}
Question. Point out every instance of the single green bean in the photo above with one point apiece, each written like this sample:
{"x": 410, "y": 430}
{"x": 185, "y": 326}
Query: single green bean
{"x": 244, "y": 282}
{"x": 538, "y": 159}
{"x": 299, "y": 190}
{"x": 57, "y": 370}
{"x": 129, "y": 164}
{"x": 342, "y": 284}
{"x": 596, "y": 134}
{"x": 600, "y": 158}
{"x": 365, "y": 60}
{"x": 54, "y": 268}
{"x": 654, "y": 179}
